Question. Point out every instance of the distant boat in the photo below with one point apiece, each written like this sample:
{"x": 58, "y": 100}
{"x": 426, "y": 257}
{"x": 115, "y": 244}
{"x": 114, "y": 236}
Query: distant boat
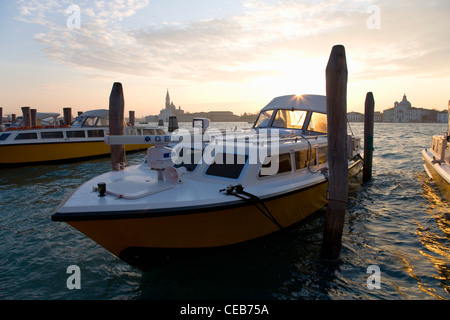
{"x": 437, "y": 160}
{"x": 52, "y": 142}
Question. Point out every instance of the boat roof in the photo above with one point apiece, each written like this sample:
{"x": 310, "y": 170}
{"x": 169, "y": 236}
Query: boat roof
{"x": 45, "y": 115}
{"x": 102, "y": 113}
{"x": 310, "y": 102}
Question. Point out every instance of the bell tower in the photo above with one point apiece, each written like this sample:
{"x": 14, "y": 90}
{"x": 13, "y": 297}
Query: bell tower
{"x": 167, "y": 99}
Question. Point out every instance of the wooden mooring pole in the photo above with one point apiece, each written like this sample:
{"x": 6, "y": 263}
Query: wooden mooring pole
{"x": 33, "y": 115}
{"x": 116, "y": 125}
{"x": 131, "y": 119}
{"x": 336, "y": 89}
{"x": 26, "y": 112}
{"x": 368, "y": 136}
{"x": 67, "y": 112}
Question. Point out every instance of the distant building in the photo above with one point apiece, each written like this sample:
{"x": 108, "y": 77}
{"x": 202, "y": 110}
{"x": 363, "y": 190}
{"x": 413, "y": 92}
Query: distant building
{"x": 170, "y": 110}
{"x": 442, "y": 116}
{"x": 404, "y": 112}
{"x": 355, "y": 117}
{"x": 359, "y": 117}
{"x": 377, "y": 116}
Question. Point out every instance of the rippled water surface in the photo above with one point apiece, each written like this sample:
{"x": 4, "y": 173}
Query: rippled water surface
{"x": 398, "y": 222}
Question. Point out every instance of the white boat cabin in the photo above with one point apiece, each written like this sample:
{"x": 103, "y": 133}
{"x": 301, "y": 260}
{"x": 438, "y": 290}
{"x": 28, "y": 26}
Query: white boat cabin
{"x": 288, "y": 137}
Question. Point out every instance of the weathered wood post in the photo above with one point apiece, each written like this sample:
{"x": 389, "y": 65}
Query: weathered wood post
{"x": 336, "y": 89}
{"x": 368, "y": 136}
{"x": 1, "y": 115}
{"x": 67, "y": 116}
{"x": 116, "y": 125}
{"x": 13, "y": 117}
{"x": 33, "y": 115}
{"x": 26, "y": 116}
{"x": 173, "y": 124}
{"x": 132, "y": 118}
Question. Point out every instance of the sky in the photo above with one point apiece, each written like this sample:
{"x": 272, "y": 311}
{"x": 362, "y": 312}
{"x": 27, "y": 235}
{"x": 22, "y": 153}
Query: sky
{"x": 219, "y": 55}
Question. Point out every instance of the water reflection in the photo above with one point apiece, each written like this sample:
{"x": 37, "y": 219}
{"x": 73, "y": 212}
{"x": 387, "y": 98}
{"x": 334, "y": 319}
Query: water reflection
{"x": 434, "y": 234}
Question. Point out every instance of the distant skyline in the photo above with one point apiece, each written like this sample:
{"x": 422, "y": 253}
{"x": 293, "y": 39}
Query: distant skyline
{"x": 212, "y": 55}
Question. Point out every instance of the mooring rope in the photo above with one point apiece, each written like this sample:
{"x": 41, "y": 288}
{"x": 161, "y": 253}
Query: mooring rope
{"x": 238, "y": 191}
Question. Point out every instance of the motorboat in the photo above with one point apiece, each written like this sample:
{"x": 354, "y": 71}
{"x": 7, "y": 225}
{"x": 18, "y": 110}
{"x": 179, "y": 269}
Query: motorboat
{"x": 202, "y": 194}
{"x": 437, "y": 160}
{"x": 50, "y": 141}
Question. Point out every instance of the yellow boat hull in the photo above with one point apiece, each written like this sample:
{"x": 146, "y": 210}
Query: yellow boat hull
{"x": 46, "y": 152}
{"x": 218, "y": 227}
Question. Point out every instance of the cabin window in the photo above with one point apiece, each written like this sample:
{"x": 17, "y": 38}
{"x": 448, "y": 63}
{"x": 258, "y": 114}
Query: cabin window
{"x": 75, "y": 134}
{"x": 4, "y": 136}
{"x": 77, "y": 122}
{"x": 26, "y": 136}
{"x": 148, "y": 132}
{"x": 305, "y": 157}
{"x": 263, "y": 119}
{"x": 160, "y": 132}
{"x": 102, "y": 122}
{"x": 284, "y": 164}
{"x": 52, "y": 135}
{"x": 323, "y": 154}
{"x": 291, "y": 119}
{"x": 318, "y": 123}
{"x": 96, "y": 133}
{"x": 89, "y": 122}
{"x": 225, "y": 167}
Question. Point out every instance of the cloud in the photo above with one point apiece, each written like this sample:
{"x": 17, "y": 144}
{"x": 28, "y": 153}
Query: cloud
{"x": 412, "y": 34}
{"x": 33, "y": 11}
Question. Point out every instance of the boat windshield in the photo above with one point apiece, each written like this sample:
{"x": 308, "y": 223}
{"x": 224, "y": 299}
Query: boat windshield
{"x": 90, "y": 122}
{"x": 263, "y": 119}
{"x": 291, "y": 119}
{"x": 318, "y": 123}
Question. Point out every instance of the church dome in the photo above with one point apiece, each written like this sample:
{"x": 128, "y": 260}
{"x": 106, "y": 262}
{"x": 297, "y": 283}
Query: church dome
{"x": 405, "y": 102}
